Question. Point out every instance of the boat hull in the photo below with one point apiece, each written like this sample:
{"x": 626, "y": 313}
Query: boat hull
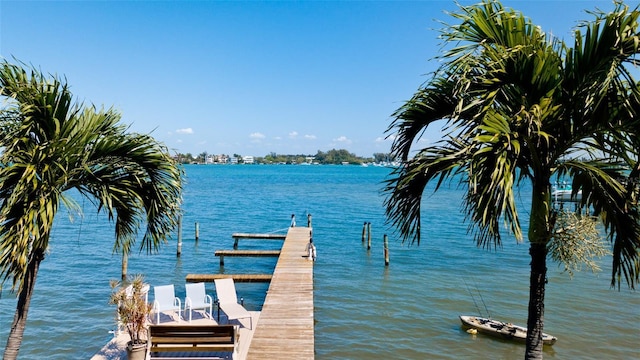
{"x": 566, "y": 196}
{"x": 500, "y": 329}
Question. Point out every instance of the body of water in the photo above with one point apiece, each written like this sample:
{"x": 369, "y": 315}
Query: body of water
{"x": 363, "y": 310}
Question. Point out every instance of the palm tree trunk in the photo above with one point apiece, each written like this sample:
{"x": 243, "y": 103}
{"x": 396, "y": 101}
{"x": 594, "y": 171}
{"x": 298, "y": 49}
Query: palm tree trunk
{"x": 537, "y": 283}
{"x": 24, "y": 300}
{"x": 541, "y": 223}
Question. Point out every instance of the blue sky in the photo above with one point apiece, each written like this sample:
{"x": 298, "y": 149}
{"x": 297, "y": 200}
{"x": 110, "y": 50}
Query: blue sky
{"x": 250, "y": 77}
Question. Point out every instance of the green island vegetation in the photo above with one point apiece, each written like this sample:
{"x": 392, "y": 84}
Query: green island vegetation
{"x": 335, "y": 157}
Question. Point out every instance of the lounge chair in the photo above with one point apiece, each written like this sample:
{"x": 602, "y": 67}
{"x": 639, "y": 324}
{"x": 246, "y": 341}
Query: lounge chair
{"x": 165, "y": 300}
{"x": 228, "y": 301}
{"x": 197, "y": 299}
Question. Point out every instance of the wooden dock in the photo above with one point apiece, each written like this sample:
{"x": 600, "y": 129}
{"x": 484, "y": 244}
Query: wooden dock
{"x": 247, "y": 236}
{"x": 253, "y": 253}
{"x": 285, "y": 328}
{"x": 194, "y": 278}
{"x": 259, "y": 236}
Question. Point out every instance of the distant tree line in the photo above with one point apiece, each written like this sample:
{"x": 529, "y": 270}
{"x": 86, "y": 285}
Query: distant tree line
{"x": 329, "y": 157}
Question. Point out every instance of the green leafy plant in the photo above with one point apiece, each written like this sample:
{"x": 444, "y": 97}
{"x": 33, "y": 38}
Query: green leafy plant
{"x": 132, "y": 307}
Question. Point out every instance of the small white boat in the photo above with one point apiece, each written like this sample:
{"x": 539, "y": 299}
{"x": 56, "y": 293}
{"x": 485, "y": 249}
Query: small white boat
{"x": 501, "y": 329}
{"x": 565, "y": 195}
{"x": 562, "y": 192}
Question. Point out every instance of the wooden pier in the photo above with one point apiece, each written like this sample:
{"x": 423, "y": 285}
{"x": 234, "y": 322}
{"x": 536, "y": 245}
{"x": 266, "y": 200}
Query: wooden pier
{"x": 285, "y": 328}
{"x": 246, "y": 236}
{"x": 194, "y": 278}
{"x": 253, "y": 253}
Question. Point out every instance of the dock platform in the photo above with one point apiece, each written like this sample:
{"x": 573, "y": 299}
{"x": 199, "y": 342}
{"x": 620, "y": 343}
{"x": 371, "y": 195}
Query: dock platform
{"x": 252, "y": 253}
{"x": 194, "y": 278}
{"x": 285, "y": 328}
{"x": 248, "y": 236}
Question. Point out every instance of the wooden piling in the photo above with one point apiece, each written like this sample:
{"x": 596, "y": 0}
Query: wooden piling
{"x": 179, "y": 252}
{"x": 369, "y": 236}
{"x": 197, "y": 231}
{"x": 364, "y": 231}
{"x": 386, "y": 250}
{"x": 125, "y": 264}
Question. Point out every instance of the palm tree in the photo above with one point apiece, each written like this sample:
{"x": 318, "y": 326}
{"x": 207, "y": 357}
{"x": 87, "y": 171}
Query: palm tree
{"x": 521, "y": 106}
{"x": 52, "y": 145}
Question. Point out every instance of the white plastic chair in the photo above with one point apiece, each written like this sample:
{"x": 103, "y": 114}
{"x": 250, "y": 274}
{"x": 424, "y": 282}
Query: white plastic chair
{"x": 197, "y": 299}
{"x": 228, "y": 301}
{"x": 165, "y": 300}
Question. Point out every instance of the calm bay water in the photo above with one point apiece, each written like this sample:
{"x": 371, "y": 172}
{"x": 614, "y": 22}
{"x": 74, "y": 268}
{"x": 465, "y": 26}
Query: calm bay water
{"x": 363, "y": 310}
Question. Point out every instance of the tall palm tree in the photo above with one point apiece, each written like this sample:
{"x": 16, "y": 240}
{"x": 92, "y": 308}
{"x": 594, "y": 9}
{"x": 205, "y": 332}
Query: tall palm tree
{"x": 521, "y": 106}
{"x": 51, "y": 145}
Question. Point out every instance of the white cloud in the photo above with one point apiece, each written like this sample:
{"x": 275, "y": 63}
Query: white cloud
{"x": 293, "y": 134}
{"x": 185, "y": 131}
{"x": 342, "y": 140}
{"x": 257, "y": 136}
{"x": 310, "y": 137}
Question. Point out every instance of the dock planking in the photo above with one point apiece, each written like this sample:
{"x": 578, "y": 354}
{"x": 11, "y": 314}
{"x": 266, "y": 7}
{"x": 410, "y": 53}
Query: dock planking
{"x": 285, "y": 328}
{"x": 256, "y": 253}
{"x": 253, "y": 253}
{"x": 194, "y": 278}
{"x": 248, "y": 236}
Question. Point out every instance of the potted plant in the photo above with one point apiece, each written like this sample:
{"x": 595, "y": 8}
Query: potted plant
{"x": 130, "y": 297}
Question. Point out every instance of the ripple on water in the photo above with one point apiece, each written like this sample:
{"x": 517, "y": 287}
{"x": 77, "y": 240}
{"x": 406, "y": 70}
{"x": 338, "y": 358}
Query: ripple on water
{"x": 363, "y": 310}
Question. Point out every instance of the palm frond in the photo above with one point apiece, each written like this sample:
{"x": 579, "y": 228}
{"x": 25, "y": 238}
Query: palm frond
{"x": 56, "y": 145}
{"x": 407, "y": 183}
{"x": 613, "y": 198}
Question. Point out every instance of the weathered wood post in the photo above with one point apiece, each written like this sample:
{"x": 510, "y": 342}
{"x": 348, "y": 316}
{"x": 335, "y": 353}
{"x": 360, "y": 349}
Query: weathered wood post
{"x": 125, "y": 264}
{"x": 179, "y": 236}
{"x": 197, "y": 231}
{"x": 308, "y": 220}
{"x": 369, "y": 236}
{"x": 386, "y": 250}
{"x": 364, "y": 231}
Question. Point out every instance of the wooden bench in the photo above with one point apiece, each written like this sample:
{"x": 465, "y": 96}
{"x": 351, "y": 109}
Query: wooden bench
{"x": 191, "y": 338}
